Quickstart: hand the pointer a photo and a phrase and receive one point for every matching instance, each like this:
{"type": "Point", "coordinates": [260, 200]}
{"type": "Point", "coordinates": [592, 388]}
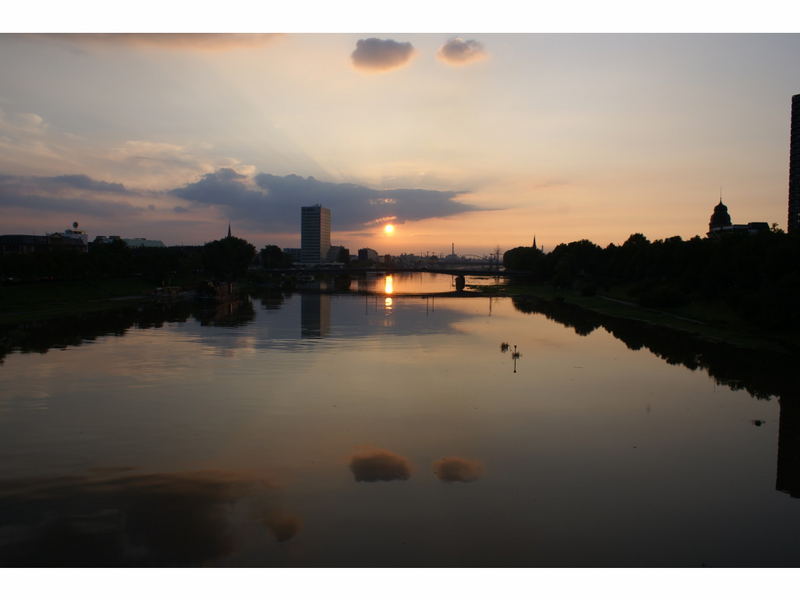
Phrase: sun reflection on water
{"type": "Point", "coordinates": [388, 286]}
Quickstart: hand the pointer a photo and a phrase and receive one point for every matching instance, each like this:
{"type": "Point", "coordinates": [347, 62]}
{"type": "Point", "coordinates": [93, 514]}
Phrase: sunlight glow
{"type": "Point", "coordinates": [388, 285]}
{"type": "Point", "coordinates": [388, 229]}
{"type": "Point", "coordinates": [388, 302]}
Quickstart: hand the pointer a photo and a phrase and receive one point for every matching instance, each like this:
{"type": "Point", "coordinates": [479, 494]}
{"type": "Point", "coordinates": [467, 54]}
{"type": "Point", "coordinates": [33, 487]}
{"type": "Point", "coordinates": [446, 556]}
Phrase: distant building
{"type": "Point", "coordinates": [315, 233]}
{"type": "Point", "coordinates": [367, 254]}
{"type": "Point", "coordinates": [720, 223]}
{"type": "Point", "coordinates": [719, 218]}
{"type": "Point", "coordinates": [39, 244]}
{"type": "Point", "coordinates": [70, 240]}
{"type": "Point", "coordinates": [794, 168]}
{"type": "Point", "coordinates": [143, 243]}
{"type": "Point", "coordinates": [106, 239]}
{"type": "Point", "coordinates": [75, 234]}
{"type": "Point", "coordinates": [338, 254]}
{"type": "Point", "coordinates": [130, 242]}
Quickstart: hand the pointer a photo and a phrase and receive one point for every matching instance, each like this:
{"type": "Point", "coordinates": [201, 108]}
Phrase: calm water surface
{"type": "Point", "coordinates": [318, 430]}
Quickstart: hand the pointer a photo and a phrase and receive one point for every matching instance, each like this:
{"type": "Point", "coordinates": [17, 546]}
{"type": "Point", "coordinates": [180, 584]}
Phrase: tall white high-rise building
{"type": "Point", "coordinates": [315, 233]}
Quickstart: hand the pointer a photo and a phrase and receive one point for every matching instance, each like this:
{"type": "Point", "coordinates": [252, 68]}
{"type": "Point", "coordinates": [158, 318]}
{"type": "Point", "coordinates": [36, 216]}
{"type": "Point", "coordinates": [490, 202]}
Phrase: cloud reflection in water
{"type": "Point", "coordinates": [155, 519]}
{"type": "Point", "coordinates": [454, 468]}
{"type": "Point", "coordinates": [377, 464]}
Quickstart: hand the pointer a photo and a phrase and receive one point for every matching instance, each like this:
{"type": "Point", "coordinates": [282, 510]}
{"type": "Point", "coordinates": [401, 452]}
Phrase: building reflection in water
{"type": "Point", "coordinates": [315, 315]}
{"type": "Point", "coordinates": [788, 472]}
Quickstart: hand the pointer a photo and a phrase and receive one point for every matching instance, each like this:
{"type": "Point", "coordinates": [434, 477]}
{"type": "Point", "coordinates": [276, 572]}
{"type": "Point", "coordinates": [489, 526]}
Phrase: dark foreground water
{"type": "Point", "coordinates": [316, 430]}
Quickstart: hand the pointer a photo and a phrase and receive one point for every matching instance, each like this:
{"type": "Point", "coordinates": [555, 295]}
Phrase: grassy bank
{"type": "Point", "coordinates": [43, 300]}
{"type": "Point", "coordinates": [705, 321]}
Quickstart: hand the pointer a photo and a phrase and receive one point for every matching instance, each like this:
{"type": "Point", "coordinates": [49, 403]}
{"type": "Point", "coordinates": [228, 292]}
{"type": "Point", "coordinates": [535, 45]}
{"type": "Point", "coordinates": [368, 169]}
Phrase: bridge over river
{"type": "Point", "coordinates": [474, 270]}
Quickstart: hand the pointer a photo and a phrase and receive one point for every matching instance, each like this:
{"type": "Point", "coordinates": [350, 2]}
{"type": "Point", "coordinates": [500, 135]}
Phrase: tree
{"type": "Point", "coordinates": [273, 257]}
{"type": "Point", "coordinates": [113, 259]}
{"type": "Point", "coordinates": [525, 258]}
{"type": "Point", "coordinates": [227, 259]}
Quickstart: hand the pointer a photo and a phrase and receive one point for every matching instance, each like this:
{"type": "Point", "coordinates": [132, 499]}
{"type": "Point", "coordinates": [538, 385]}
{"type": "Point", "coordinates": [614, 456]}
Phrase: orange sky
{"type": "Point", "coordinates": [495, 138]}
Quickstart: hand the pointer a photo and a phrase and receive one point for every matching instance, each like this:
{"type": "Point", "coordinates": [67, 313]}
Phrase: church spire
{"type": "Point", "coordinates": [229, 229]}
{"type": "Point", "coordinates": [534, 240]}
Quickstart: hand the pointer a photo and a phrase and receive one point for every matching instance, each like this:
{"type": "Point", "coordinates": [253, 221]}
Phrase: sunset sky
{"type": "Point", "coordinates": [476, 139]}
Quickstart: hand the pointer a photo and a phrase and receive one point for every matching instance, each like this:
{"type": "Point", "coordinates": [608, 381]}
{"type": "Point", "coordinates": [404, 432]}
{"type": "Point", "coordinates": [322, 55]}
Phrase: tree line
{"type": "Point", "coordinates": [226, 259]}
{"type": "Point", "coordinates": [755, 277]}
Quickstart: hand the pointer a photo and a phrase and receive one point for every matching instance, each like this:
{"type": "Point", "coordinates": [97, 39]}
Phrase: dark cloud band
{"type": "Point", "coordinates": [78, 195]}
{"type": "Point", "coordinates": [268, 203]}
{"type": "Point", "coordinates": [274, 201]}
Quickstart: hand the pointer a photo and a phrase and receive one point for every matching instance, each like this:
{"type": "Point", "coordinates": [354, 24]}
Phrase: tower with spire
{"type": "Point", "coordinates": [720, 217]}
{"type": "Point", "coordinates": [229, 230]}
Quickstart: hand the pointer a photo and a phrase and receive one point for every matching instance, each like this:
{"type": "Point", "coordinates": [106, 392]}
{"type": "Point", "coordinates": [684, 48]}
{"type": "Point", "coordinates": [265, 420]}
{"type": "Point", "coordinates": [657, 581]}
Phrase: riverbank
{"type": "Point", "coordinates": [705, 322]}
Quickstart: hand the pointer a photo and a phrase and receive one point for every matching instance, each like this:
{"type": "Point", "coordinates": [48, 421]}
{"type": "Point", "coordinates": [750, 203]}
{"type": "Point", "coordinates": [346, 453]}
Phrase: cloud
{"type": "Point", "coordinates": [74, 194]}
{"type": "Point", "coordinates": [283, 526]}
{"type": "Point", "coordinates": [21, 122]}
{"type": "Point", "coordinates": [124, 519]}
{"type": "Point", "coordinates": [454, 468]}
{"type": "Point", "coordinates": [374, 55]}
{"type": "Point", "coordinates": [30, 146]}
{"type": "Point", "coordinates": [169, 41]}
{"type": "Point", "coordinates": [84, 182]}
{"type": "Point", "coordinates": [159, 164]}
{"type": "Point", "coordinates": [458, 51]}
{"type": "Point", "coordinates": [379, 465]}
{"type": "Point", "coordinates": [29, 123]}
{"type": "Point", "coordinates": [274, 201]}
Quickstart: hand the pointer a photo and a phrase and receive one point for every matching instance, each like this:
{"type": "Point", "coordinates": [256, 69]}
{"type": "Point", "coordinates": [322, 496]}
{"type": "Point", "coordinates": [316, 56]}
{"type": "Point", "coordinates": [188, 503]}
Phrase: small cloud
{"type": "Point", "coordinates": [381, 220]}
{"type": "Point", "coordinates": [30, 122]}
{"type": "Point", "coordinates": [22, 122]}
{"type": "Point", "coordinates": [376, 55]}
{"type": "Point", "coordinates": [379, 465]}
{"type": "Point", "coordinates": [453, 469]}
{"type": "Point", "coordinates": [458, 51]}
{"type": "Point", "coordinates": [283, 526]}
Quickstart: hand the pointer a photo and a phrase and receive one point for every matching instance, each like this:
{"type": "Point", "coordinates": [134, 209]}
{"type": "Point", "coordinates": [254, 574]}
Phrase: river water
{"type": "Point", "coordinates": [309, 429]}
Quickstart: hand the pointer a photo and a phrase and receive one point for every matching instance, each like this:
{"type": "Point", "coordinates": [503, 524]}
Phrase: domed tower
{"type": "Point", "coordinates": [719, 218]}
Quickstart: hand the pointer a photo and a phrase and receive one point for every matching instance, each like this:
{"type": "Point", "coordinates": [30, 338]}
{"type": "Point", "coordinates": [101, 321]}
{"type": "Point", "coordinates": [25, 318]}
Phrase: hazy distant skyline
{"type": "Point", "coordinates": [476, 139]}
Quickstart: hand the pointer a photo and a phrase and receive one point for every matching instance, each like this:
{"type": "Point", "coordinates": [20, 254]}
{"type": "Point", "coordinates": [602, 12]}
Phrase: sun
{"type": "Point", "coordinates": [388, 229]}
